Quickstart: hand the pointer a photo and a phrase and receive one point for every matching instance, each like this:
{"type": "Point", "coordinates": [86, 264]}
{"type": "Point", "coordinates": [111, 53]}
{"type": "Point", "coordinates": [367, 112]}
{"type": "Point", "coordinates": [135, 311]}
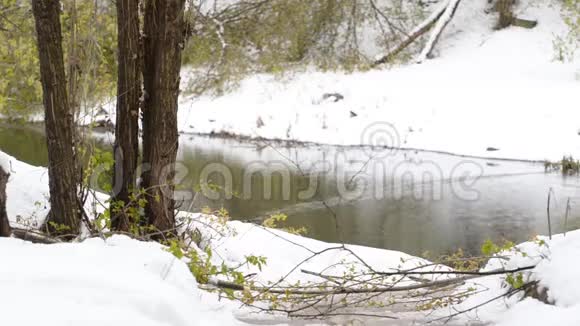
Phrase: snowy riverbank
{"type": "Point", "coordinates": [488, 93]}
{"type": "Point", "coordinates": [121, 280]}
{"type": "Point", "coordinates": [487, 89]}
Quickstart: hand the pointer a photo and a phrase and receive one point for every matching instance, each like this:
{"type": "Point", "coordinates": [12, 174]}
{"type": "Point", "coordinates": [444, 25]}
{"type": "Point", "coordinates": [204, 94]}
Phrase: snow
{"type": "Point", "coordinates": [121, 280]}
{"type": "Point", "coordinates": [5, 162]}
{"type": "Point", "coordinates": [114, 282]}
{"type": "Point", "coordinates": [556, 271]}
{"type": "Point", "coordinates": [485, 88]}
{"type": "Point", "coordinates": [438, 28]}
{"type": "Point", "coordinates": [285, 251]}
{"type": "Point", "coordinates": [532, 312]}
{"type": "Point", "coordinates": [27, 192]}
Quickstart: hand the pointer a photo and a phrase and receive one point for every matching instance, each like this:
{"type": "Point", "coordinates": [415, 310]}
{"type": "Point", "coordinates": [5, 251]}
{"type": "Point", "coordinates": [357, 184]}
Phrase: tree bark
{"type": "Point", "coordinates": [58, 120]}
{"type": "Point", "coordinates": [126, 147]}
{"type": "Point", "coordinates": [507, 17]}
{"type": "Point", "coordinates": [524, 23]}
{"type": "Point", "coordinates": [164, 40]}
{"type": "Point", "coordinates": [5, 230]}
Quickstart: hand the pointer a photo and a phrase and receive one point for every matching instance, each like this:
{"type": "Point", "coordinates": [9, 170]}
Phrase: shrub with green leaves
{"type": "Point", "coordinates": [95, 54]}
{"type": "Point", "coordinates": [225, 44]}
{"type": "Point", "coordinates": [279, 35]}
{"type": "Point", "coordinates": [19, 86]}
{"type": "Point", "coordinates": [565, 46]}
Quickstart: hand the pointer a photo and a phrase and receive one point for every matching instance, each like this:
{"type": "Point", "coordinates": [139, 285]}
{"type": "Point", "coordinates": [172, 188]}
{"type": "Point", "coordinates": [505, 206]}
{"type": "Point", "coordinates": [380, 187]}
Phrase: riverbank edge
{"type": "Point", "coordinates": [104, 132]}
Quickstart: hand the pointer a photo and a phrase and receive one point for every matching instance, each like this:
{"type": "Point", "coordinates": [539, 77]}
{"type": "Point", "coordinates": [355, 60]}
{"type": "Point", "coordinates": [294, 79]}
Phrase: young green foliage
{"type": "Point", "coordinates": [95, 59]}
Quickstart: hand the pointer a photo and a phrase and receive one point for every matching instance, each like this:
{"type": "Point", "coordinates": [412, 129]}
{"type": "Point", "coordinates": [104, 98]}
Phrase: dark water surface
{"type": "Point", "coordinates": [405, 200]}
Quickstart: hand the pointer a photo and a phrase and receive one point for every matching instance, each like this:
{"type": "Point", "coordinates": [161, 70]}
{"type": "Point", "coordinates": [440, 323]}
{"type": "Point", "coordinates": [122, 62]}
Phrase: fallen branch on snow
{"type": "Point", "coordinates": [421, 29]}
{"type": "Point", "coordinates": [331, 290]}
{"type": "Point", "coordinates": [442, 22]}
{"type": "Point", "coordinates": [34, 236]}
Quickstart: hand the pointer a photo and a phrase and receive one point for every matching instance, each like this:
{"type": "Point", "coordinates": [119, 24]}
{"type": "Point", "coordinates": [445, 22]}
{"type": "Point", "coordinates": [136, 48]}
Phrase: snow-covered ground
{"type": "Point", "coordinates": [114, 282]}
{"type": "Point", "coordinates": [28, 191]}
{"type": "Point", "coordinates": [486, 88]}
{"type": "Point", "coordinates": [556, 272]}
{"type": "Point", "coordinates": [120, 280]}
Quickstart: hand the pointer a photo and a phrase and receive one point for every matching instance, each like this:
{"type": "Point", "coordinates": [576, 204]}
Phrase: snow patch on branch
{"type": "Point", "coordinates": [439, 27]}
{"type": "Point", "coordinates": [435, 15]}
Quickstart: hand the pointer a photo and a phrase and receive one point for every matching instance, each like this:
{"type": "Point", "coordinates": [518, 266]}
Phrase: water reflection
{"type": "Point", "coordinates": [25, 142]}
{"type": "Point", "coordinates": [510, 202]}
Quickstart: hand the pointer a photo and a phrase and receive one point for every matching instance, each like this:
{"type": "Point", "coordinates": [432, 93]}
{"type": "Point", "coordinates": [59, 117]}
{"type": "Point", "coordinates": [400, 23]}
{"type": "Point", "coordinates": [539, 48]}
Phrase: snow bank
{"type": "Point", "coordinates": [119, 280]}
{"type": "Point", "coordinates": [114, 282]}
{"type": "Point", "coordinates": [486, 89]}
{"type": "Point", "coordinates": [27, 192]}
{"type": "Point", "coordinates": [5, 162]}
{"type": "Point", "coordinates": [556, 272]}
{"type": "Point", "coordinates": [285, 251]}
{"type": "Point", "coordinates": [96, 282]}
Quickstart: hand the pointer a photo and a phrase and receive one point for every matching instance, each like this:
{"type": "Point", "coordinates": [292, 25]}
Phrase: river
{"type": "Point", "coordinates": [412, 201]}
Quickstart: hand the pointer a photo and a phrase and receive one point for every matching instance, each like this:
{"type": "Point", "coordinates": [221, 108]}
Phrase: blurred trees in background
{"type": "Point", "coordinates": [94, 58]}
{"type": "Point", "coordinates": [230, 40]}
{"type": "Point", "coordinates": [250, 36]}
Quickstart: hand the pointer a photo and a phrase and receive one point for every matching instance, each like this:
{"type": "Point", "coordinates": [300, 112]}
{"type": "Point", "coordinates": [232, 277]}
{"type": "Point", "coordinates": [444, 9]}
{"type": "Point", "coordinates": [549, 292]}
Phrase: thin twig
{"type": "Point", "coordinates": [566, 216]}
{"type": "Point", "coordinates": [548, 211]}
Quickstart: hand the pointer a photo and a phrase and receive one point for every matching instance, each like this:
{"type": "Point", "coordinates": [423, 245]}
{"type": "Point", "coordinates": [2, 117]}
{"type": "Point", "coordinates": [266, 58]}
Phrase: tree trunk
{"type": "Point", "coordinates": [126, 147]}
{"type": "Point", "coordinates": [58, 120]}
{"type": "Point", "coordinates": [505, 10]}
{"type": "Point", "coordinates": [507, 17]}
{"type": "Point", "coordinates": [5, 230]}
{"type": "Point", "coordinates": [164, 41]}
